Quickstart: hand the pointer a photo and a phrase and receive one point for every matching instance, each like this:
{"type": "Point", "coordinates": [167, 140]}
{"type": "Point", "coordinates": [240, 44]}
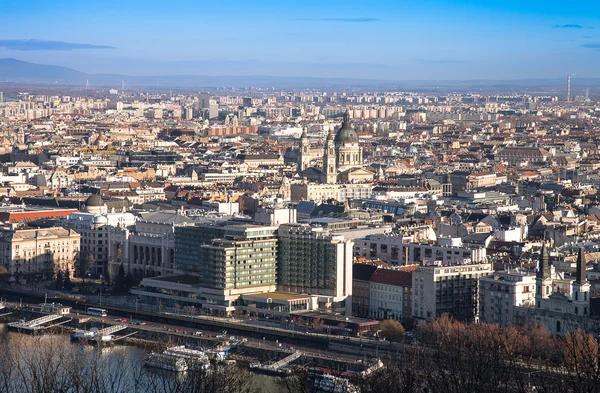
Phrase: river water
{"type": "Point", "coordinates": [118, 361]}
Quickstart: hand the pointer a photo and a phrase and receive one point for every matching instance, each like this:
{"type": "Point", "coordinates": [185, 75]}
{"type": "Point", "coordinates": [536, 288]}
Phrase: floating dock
{"type": "Point", "coordinates": [97, 336]}
{"type": "Point", "coordinates": [36, 325]}
{"type": "Point", "coordinates": [279, 366]}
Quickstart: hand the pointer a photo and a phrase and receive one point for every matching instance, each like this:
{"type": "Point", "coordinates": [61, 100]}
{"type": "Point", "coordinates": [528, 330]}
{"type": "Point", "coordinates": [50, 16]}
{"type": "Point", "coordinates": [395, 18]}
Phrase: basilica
{"type": "Point", "coordinates": [342, 157]}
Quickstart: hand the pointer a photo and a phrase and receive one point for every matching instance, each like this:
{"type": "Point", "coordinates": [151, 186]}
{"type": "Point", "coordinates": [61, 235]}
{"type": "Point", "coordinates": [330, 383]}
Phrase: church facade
{"type": "Point", "coordinates": [559, 311]}
{"type": "Point", "coordinates": [342, 157]}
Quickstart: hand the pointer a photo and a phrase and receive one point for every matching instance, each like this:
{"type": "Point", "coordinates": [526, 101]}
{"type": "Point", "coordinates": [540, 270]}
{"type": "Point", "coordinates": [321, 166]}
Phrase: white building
{"type": "Point", "coordinates": [448, 289]}
{"type": "Point", "coordinates": [146, 247]}
{"type": "Point", "coordinates": [391, 249]}
{"type": "Point", "coordinates": [275, 216]}
{"type": "Point", "coordinates": [390, 294]}
{"type": "Point", "coordinates": [501, 292]}
{"type": "Point", "coordinates": [93, 229]}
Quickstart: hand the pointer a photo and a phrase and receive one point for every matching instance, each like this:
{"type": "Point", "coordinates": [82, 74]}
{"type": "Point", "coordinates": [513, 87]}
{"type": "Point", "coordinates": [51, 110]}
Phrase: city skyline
{"type": "Point", "coordinates": [432, 40]}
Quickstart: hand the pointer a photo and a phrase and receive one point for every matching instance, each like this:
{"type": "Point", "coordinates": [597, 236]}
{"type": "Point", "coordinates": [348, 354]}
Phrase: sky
{"type": "Point", "coordinates": [371, 39]}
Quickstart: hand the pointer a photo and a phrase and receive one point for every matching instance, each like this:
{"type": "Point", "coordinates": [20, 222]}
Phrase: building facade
{"type": "Point", "coordinates": [501, 292]}
{"type": "Point", "coordinates": [147, 248]}
{"type": "Point", "coordinates": [453, 290]}
{"type": "Point", "coordinates": [36, 254]}
{"type": "Point", "coordinates": [317, 262]}
{"type": "Point", "coordinates": [391, 249]}
{"type": "Point", "coordinates": [94, 232]}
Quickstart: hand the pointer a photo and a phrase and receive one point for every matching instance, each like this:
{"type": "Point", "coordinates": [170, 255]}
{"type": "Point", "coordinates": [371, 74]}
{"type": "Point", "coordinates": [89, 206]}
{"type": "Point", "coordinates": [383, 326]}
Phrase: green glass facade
{"type": "Point", "coordinates": [229, 256]}
{"type": "Point", "coordinates": [307, 260]}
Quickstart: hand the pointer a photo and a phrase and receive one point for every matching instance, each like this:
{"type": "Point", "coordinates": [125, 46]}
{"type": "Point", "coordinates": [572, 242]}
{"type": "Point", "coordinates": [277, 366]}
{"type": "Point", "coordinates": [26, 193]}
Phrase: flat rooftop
{"type": "Point", "coordinates": [185, 279]}
{"type": "Point", "coordinates": [333, 318]}
{"type": "Point", "coordinates": [277, 295]}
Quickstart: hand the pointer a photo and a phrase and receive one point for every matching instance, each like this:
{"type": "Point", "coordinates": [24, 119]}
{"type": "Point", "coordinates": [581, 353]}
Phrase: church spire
{"type": "Point", "coordinates": [544, 262]}
{"type": "Point", "coordinates": [580, 276]}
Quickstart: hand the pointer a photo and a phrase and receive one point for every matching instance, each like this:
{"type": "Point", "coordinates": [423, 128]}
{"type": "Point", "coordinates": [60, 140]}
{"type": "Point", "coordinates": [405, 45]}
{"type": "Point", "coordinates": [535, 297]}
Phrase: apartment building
{"type": "Point", "coordinates": [454, 290]}
{"type": "Point", "coordinates": [390, 294]}
{"type": "Point", "coordinates": [501, 292]}
{"type": "Point", "coordinates": [391, 249]}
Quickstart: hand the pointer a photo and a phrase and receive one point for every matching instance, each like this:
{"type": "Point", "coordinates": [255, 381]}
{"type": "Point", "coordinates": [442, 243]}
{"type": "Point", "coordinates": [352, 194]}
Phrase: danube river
{"type": "Point", "coordinates": [118, 361]}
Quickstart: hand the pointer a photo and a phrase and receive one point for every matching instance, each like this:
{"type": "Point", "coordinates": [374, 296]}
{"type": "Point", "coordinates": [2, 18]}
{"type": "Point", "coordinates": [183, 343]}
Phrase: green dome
{"type": "Point", "coordinates": [346, 134]}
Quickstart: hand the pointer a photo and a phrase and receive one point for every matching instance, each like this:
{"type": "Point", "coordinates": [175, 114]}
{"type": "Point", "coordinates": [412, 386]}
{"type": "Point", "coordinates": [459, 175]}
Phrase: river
{"type": "Point", "coordinates": [115, 362]}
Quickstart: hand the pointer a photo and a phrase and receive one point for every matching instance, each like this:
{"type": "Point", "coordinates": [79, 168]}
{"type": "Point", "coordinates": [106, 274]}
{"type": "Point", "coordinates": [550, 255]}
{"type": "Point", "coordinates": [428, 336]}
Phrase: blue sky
{"type": "Point", "coordinates": [403, 40]}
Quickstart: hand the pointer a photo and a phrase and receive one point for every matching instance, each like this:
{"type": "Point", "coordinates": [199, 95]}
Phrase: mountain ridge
{"type": "Point", "coordinates": [17, 71]}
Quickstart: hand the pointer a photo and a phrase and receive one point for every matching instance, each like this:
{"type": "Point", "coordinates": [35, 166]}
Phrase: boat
{"type": "Point", "coordinates": [92, 336]}
{"type": "Point", "coordinates": [80, 334]}
{"type": "Point", "coordinates": [329, 383]}
{"type": "Point", "coordinates": [180, 358]}
{"type": "Point", "coordinates": [166, 362]}
{"type": "Point", "coordinates": [190, 353]}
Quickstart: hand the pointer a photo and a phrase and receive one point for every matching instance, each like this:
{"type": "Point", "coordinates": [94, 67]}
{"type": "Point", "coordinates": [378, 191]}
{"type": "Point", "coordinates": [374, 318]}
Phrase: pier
{"type": "Point", "coordinates": [278, 365]}
{"type": "Point", "coordinates": [37, 324]}
{"type": "Point", "coordinates": [105, 335]}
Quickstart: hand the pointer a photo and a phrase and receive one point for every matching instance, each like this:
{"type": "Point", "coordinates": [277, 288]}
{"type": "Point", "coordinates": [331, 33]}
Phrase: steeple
{"type": "Point", "coordinates": [581, 287]}
{"type": "Point", "coordinates": [544, 262]}
{"type": "Point", "coordinates": [304, 157]}
{"type": "Point", "coordinates": [580, 277]}
{"type": "Point", "coordinates": [543, 279]}
{"type": "Point", "coordinates": [329, 174]}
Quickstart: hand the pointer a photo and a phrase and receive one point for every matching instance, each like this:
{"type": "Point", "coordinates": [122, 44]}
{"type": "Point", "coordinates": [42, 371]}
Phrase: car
{"type": "Point", "coordinates": [198, 333]}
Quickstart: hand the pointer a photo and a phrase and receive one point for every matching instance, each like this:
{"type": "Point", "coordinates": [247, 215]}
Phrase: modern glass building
{"type": "Point", "coordinates": [314, 261]}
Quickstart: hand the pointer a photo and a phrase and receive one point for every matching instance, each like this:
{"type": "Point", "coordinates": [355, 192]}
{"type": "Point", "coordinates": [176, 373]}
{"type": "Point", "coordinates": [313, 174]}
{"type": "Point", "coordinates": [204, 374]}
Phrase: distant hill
{"type": "Point", "coordinates": [17, 71]}
{"type": "Point", "coordinates": [22, 71]}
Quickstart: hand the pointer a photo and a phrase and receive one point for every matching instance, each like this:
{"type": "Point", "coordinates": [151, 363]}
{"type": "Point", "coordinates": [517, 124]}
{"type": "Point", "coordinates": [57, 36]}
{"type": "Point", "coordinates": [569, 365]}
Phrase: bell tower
{"type": "Point", "coordinates": [543, 279]}
{"type": "Point", "coordinates": [329, 160]}
{"type": "Point", "coordinates": [581, 287]}
{"type": "Point", "coordinates": [304, 158]}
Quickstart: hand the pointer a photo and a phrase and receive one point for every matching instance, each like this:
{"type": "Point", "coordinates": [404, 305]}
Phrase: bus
{"type": "Point", "coordinates": [97, 312]}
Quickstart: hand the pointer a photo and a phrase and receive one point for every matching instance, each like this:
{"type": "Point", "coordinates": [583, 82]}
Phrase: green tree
{"type": "Point", "coordinates": [392, 329]}
{"type": "Point", "coordinates": [67, 285]}
{"type": "Point", "coordinates": [129, 280]}
{"type": "Point", "coordinates": [59, 281]}
{"type": "Point", "coordinates": [120, 284]}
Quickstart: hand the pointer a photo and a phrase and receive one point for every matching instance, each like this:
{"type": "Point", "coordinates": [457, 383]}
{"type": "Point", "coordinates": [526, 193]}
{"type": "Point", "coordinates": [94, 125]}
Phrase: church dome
{"type": "Point", "coordinates": [94, 201]}
{"type": "Point", "coordinates": [346, 134]}
{"type": "Point", "coordinates": [98, 219]}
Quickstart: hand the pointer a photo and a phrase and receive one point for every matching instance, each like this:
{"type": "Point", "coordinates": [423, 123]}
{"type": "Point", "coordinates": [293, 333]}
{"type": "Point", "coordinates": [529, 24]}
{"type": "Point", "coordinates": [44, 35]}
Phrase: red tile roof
{"type": "Point", "coordinates": [392, 277]}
